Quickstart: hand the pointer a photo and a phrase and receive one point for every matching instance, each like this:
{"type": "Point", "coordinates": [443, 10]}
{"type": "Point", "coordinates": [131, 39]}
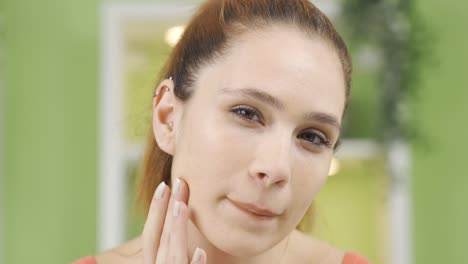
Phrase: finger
{"type": "Point", "coordinates": [179, 193]}
{"type": "Point", "coordinates": [180, 190]}
{"type": "Point", "coordinates": [178, 241]}
{"type": "Point", "coordinates": [199, 257]}
{"type": "Point", "coordinates": [163, 250]}
{"type": "Point", "coordinates": [154, 223]}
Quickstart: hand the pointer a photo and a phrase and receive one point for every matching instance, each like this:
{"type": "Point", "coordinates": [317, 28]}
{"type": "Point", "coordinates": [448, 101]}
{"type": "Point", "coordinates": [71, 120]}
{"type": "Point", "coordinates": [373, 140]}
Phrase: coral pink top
{"type": "Point", "coordinates": [85, 260]}
{"type": "Point", "coordinates": [353, 258]}
{"type": "Point", "coordinates": [349, 258]}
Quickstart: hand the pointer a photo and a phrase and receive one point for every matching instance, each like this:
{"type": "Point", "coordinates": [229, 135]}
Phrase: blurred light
{"type": "Point", "coordinates": [334, 167]}
{"type": "Point", "coordinates": [369, 57]}
{"type": "Point", "coordinates": [173, 35]}
{"type": "Point", "coordinates": [331, 8]}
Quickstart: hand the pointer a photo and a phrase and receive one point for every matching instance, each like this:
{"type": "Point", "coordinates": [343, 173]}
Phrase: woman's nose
{"type": "Point", "coordinates": [271, 164]}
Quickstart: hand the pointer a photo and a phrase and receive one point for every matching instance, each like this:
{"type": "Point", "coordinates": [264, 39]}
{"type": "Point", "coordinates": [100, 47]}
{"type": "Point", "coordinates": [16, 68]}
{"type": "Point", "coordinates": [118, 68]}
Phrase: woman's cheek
{"type": "Point", "coordinates": [234, 139]}
{"type": "Point", "coordinates": [307, 180]}
{"type": "Point", "coordinates": [303, 194]}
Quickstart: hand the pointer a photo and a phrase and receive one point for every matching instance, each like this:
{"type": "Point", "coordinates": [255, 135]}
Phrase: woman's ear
{"type": "Point", "coordinates": [164, 116]}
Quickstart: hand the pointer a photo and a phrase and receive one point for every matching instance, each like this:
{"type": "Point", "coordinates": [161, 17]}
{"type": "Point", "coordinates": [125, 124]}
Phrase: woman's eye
{"type": "Point", "coordinates": [249, 113]}
{"type": "Point", "coordinates": [316, 138]}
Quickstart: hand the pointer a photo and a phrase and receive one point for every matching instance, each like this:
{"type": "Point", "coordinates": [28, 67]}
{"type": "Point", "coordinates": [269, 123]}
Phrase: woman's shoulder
{"type": "Point", "coordinates": [307, 249]}
{"type": "Point", "coordinates": [127, 253]}
{"type": "Point", "coordinates": [85, 260]}
{"type": "Point", "coordinates": [354, 258]}
{"type": "Point", "coordinates": [303, 249]}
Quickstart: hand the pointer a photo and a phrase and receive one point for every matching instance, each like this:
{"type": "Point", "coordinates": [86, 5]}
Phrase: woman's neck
{"type": "Point", "coordinates": [276, 254]}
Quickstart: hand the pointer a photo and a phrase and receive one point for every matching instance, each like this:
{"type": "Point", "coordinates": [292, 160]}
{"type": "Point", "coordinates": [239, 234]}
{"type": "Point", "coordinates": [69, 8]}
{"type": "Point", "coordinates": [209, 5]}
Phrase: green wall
{"type": "Point", "coordinates": [440, 161]}
{"type": "Point", "coordinates": [51, 129]}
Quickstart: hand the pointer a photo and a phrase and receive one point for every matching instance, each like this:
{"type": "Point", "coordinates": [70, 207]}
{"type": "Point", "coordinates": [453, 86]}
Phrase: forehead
{"type": "Point", "coordinates": [304, 71]}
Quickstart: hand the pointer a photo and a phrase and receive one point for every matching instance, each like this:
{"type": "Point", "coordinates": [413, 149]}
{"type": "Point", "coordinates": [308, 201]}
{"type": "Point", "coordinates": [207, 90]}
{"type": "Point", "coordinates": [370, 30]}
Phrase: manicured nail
{"type": "Point", "coordinates": [197, 255]}
{"type": "Point", "coordinates": [176, 186]}
{"type": "Point", "coordinates": [175, 211]}
{"type": "Point", "coordinates": [160, 190]}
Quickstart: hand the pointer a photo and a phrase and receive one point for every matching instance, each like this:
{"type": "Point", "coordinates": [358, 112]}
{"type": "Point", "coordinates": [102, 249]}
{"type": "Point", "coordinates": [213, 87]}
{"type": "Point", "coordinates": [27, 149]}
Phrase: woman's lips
{"type": "Point", "coordinates": [254, 210]}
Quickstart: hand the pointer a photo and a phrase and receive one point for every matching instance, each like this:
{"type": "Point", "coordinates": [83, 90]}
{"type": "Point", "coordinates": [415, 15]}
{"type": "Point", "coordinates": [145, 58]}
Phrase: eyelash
{"type": "Point", "coordinates": [323, 140]}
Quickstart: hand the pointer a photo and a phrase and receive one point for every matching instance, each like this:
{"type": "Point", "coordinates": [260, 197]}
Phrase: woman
{"type": "Point", "coordinates": [246, 119]}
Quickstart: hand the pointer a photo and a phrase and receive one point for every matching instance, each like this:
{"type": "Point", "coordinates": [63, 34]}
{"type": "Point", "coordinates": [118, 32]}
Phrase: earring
{"type": "Point", "coordinates": [171, 124]}
{"type": "Point", "coordinates": [167, 89]}
{"type": "Point", "coordinates": [157, 93]}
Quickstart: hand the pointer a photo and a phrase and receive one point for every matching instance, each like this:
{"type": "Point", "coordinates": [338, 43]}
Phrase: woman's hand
{"type": "Point", "coordinates": [165, 232]}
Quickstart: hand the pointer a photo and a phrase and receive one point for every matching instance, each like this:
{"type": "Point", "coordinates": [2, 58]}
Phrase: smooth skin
{"type": "Point", "coordinates": [165, 237]}
{"type": "Point", "coordinates": [231, 146]}
{"type": "Point", "coordinates": [161, 221]}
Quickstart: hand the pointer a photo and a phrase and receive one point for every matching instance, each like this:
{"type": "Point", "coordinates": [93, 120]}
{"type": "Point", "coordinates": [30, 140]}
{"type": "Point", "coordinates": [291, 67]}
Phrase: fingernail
{"type": "Point", "coordinates": [176, 186]}
{"type": "Point", "coordinates": [175, 211]}
{"type": "Point", "coordinates": [197, 255]}
{"type": "Point", "coordinates": [160, 190]}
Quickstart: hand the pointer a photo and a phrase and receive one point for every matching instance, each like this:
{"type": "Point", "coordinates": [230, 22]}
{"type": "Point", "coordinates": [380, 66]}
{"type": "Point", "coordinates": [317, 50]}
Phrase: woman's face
{"type": "Point", "coordinates": [259, 130]}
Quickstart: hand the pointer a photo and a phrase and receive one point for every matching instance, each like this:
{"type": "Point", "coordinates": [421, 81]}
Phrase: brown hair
{"type": "Point", "coordinates": [206, 38]}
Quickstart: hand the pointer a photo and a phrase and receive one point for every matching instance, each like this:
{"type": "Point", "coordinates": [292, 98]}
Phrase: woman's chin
{"type": "Point", "coordinates": [237, 233]}
{"type": "Point", "coordinates": [238, 242]}
{"type": "Point", "coordinates": [240, 246]}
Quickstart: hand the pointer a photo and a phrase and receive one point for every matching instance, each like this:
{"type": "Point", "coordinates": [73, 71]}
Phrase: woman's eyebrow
{"type": "Point", "coordinates": [269, 99]}
{"type": "Point", "coordinates": [323, 118]}
{"type": "Point", "coordinates": [256, 94]}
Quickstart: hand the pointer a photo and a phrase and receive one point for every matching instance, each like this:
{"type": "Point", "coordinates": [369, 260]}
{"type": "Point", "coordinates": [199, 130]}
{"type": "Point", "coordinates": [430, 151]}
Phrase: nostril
{"type": "Point", "coordinates": [266, 180]}
{"type": "Point", "coordinates": [264, 177]}
{"type": "Point", "coordinates": [261, 177]}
